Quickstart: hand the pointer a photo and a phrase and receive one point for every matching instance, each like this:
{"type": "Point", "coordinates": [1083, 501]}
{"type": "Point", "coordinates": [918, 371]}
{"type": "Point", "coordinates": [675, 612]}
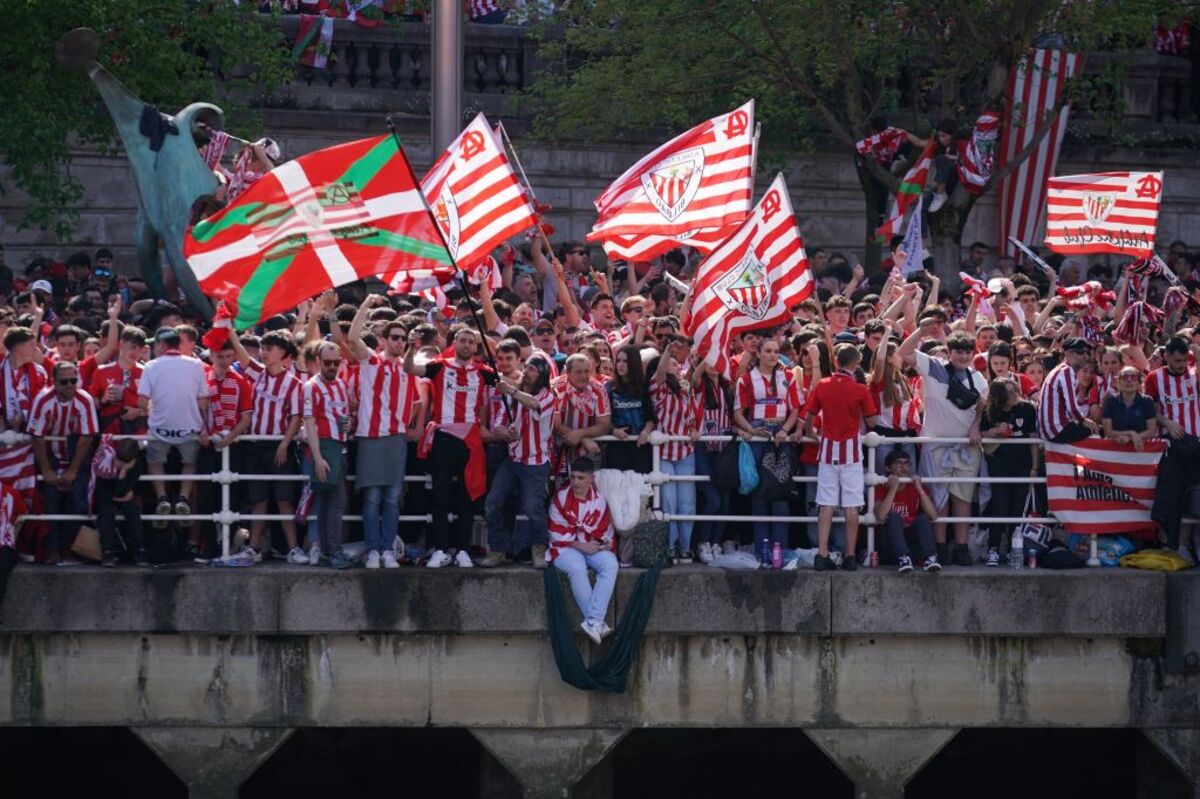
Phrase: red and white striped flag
{"type": "Point", "coordinates": [703, 178]}
{"type": "Point", "coordinates": [1097, 486]}
{"type": "Point", "coordinates": [644, 248]}
{"type": "Point", "coordinates": [1105, 212]}
{"type": "Point", "coordinates": [977, 154]}
{"type": "Point", "coordinates": [475, 197]}
{"type": "Point", "coordinates": [752, 280]}
{"type": "Point", "coordinates": [1035, 87]}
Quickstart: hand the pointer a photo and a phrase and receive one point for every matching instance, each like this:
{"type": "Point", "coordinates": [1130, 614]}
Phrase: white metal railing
{"type": "Point", "coordinates": [226, 517]}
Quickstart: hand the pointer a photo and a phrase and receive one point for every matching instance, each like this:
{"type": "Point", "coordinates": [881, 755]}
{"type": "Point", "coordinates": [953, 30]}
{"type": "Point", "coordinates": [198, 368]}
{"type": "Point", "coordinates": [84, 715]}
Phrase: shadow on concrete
{"type": "Point", "coordinates": [83, 761]}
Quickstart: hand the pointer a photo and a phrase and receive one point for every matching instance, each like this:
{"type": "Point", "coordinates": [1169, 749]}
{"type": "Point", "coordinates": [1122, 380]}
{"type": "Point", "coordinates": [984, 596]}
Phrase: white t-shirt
{"type": "Point", "coordinates": [174, 383]}
{"type": "Point", "coordinates": [942, 417]}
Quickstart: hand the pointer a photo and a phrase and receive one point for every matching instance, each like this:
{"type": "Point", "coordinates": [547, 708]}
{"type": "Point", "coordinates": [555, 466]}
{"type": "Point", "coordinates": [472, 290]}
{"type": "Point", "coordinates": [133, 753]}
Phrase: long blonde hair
{"type": "Point", "coordinates": [896, 388]}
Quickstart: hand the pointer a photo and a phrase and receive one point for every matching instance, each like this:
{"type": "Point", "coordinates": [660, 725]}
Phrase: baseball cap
{"type": "Point", "coordinates": [1077, 344]}
{"type": "Point", "coordinates": [845, 337]}
{"type": "Point", "coordinates": [167, 335]}
{"type": "Point", "coordinates": [42, 285]}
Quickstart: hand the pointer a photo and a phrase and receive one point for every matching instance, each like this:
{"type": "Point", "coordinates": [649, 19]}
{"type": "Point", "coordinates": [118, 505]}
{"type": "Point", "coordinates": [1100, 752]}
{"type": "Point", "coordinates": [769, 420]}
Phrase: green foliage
{"type": "Point", "coordinates": [170, 52]}
{"type": "Point", "coordinates": [814, 65]}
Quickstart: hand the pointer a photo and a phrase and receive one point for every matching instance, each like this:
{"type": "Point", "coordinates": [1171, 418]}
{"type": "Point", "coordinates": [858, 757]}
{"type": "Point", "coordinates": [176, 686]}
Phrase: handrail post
{"type": "Point", "coordinates": [226, 511]}
{"type": "Point", "coordinates": [871, 440]}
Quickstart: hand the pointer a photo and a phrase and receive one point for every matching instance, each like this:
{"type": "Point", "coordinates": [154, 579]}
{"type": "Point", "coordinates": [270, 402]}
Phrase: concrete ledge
{"type": "Point", "coordinates": [693, 600]}
{"type": "Point", "coordinates": [980, 601]}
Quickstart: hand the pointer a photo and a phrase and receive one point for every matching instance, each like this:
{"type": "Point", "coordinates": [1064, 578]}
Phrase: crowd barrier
{"type": "Point", "coordinates": [227, 518]}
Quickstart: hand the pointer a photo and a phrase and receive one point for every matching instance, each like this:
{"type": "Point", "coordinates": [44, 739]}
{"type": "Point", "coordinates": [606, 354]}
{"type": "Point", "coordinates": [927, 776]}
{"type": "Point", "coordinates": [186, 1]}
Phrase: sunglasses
{"type": "Point", "coordinates": [338, 362]}
{"type": "Point", "coordinates": [68, 381]}
{"type": "Point", "coordinates": [396, 338]}
{"type": "Point", "coordinates": [637, 309]}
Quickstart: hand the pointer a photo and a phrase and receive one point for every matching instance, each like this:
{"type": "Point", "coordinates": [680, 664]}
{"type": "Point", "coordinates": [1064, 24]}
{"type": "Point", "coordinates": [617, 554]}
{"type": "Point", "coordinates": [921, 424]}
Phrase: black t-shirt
{"type": "Point", "coordinates": [1012, 459]}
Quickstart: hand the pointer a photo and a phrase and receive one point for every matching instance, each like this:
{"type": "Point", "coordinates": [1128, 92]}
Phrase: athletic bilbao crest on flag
{"type": "Point", "coordinates": [1105, 212]}
{"type": "Point", "coordinates": [321, 221]}
{"type": "Point", "coordinates": [745, 289]}
{"type": "Point", "coordinates": [700, 180]}
{"type": "Point", "coordinates": [1098, 486]}
{"type": "Point", "coordinates": [672, 184]}
{"type": "Point", "coordinates": [445, 211]}
{"type": "Point", "coordinates": [751, 281]}
{"type": "Point", "coordinates": [1097, 207]}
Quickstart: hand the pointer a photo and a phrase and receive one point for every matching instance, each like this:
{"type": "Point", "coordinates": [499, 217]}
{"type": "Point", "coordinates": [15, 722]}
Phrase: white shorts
{"type": "Point", "coordinates": [841, 485]}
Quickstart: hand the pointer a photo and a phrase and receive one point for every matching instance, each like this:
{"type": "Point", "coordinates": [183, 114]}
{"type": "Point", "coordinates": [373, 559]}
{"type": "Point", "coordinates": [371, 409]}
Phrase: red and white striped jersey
{"type": "Point", "coordinates": [228, 398]}
{"type": "Point", "coordinates": [903, 418]}
{"type": "Point", "coordinates": [844, 405]}
{"type": "Point", "coordinates": [767, 399]}
{"type": "Point", "coordinates": [715, 421]}
{"type": "Point", "coordinates": [12, 507]}
{"type": "Point", "coordinates": [1060, 402]}
{"type": "Point", "coordinates": [17, 389]}
{"type": "Point", "coordinates": [386, 397]}
{"type": "Point", "coordinates": [678, 415]}
{"type": "Point", "coordinates": [500, 407]}
{"type": "Point", "coordinates": [327, 402]}
{"type": "Point", "coordinates": [276, 399]}
{"type": "Point", "coordinates": [1106, 385]}
{"type": "Point", "coordinates": [457, 392]}
{"type": "Point", "coordinates": [534, 429]}
{"type": "Point", "coordinates": [574, 519]}
{"type": "Point", "coordinates": [581, 407]}
{"type": "Point", "coordinates": [53, 417]}
{"type": "Point", "coordinates": [1177, 397]}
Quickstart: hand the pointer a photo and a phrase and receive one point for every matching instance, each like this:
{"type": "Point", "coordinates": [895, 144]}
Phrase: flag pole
{"type": "Point", "coordinates": [462, 280]}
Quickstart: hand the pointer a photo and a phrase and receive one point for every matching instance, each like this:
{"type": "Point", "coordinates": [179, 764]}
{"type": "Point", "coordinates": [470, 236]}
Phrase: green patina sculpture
{"type": "Point", "coordinates": [171, 176]}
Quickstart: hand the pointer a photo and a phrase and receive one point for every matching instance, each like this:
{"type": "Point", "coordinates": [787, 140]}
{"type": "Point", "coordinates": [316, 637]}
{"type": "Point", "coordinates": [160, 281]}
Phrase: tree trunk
{"type": "Point", "coordinates": [945, 235]}
{"type": "Point", "coordinates": [875, 195]}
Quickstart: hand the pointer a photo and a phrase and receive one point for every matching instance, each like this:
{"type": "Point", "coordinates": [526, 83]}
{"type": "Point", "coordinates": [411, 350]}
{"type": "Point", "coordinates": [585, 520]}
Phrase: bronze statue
{"type": "Point", "coordinates": [171, 176]}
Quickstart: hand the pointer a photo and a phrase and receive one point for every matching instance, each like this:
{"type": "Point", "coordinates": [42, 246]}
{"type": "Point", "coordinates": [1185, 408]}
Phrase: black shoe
{"type": "Point", "coordinates": [850, 564]}
{"type": "Point", "coordinates": [823, 563]}
{"type": "Point", "coordinates": [109, 560]}
{"type": "Point", "coordinates": [140, 558]}
{"type": "Point", "coordinates": [962, 555]}
{"type": "Point", "coordinates": [943, 553]}
{"type": "Point", "coordinates": [524, 556]}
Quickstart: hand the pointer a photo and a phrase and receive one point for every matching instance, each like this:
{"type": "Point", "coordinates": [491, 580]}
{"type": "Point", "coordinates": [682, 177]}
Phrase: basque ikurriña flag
{"type": "Point", "coordinates": [1097, 486]}
{"type": "Point", "coordinates": [321, 221]}
{"type": "Point", "coordinates": [751, 281]}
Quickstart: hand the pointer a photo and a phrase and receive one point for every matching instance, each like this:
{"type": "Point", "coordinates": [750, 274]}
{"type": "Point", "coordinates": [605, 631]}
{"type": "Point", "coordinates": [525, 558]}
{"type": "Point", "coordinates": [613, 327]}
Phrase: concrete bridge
{"type": "Point", "coordinates": [213, 670]}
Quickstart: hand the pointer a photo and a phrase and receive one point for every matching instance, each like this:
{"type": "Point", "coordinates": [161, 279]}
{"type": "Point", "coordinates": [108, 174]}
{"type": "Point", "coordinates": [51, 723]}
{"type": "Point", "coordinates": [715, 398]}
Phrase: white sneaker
{"type": "Point", "coordinates": [437, 560]}
{"type": "Point", "coordinates": [297, 557]}
{"type": "Point", "coordinates": [314, 555]}
{"type": "Point", "coordinates": [255, 553]}
{"type": "Point", "coordinates": [993, 557]}
{"type": "Point", "coordinates": [939, 200]}
{"type": "Point", "coordinates": [706, 554]}
{"type": "Point", "coordinates": [463, 560]}
{"type": "Point", "coordinates": [389, 560]}
{"type": "Point", "coordinates": [1185, 553]}
{"type": "Point", "coordinates": [592, 629]}
{"type": "Point", "coordinates": [373, 559]}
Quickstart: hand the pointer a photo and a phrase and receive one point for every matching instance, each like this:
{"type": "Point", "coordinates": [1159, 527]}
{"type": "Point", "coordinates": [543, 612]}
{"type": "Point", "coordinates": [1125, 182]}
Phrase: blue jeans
{"type": "Point", "coordinates": [679, 498]}
{"type": "Point", "coordinates": [592, 602]}
{"type": "Point", "coordinates": [530, 483]}
{"type": "Point", "coordinates": [381, 509]}
{"type": "Point", "coordinates": [716, 502]}
{"type": "Point", "coordinates": [777, 532]}
{"type": "Point", "coordinates": [900, 540]}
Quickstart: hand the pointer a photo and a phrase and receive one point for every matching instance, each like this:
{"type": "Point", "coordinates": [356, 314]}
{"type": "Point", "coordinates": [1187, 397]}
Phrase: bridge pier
{"type": "Point", "coordinates": [549, 763]}
{"type": "Point", "coordinates": [880, 762]}
{"type": "Point", "coordinates": [213, 761]}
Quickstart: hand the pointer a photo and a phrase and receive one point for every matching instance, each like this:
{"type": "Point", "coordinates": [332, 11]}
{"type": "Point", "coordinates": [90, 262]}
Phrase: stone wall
{"type": "Point", "coordinates": [824, 185]}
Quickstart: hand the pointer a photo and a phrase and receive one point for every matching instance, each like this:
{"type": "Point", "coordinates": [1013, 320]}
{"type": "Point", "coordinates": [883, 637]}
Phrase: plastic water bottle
{"type": "Point", "coordinates": [764, 552]}
{"type": "Point", "coordinates": [1016, 555]}
{"type": "Point", "coordinates": [777, 555]}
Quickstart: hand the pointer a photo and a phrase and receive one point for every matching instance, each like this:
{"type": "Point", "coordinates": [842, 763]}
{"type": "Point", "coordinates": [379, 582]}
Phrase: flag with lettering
{"type": "Point", "coordinates": [475, 196]}
{"type": "Point", "coordinates": [321, 221]}
{"type": "Point", "coordinates": [1103, 212]}
{"type": "Point", "coordinates": [1097, 486]}
{"type": "Point", "coordinates": [703, 178]}
{"type": "Point", "coordinates": [751, 281]}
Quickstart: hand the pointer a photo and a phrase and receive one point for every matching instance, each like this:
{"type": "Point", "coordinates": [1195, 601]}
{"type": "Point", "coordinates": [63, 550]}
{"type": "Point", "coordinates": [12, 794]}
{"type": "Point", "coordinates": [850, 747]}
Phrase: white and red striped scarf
{"type": "Point", "coordinates": [975, 155]}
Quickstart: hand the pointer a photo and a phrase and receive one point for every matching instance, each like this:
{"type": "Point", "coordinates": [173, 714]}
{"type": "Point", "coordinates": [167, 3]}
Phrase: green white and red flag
{"type": "Point", "coordinates": [321, 221]}
{"type": "Point", "coordinates": [912, 185]}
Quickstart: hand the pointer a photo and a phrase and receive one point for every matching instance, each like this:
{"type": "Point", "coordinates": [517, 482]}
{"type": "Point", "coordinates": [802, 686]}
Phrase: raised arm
{"type": "Point", "coordinates": [357, 346]}
{"type": "Point", "coordinates": [112, 342]}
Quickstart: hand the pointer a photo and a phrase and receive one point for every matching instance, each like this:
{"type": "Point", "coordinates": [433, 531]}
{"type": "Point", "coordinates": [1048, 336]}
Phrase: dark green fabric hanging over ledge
{"type": "Point", "coordinates": [611, 670]}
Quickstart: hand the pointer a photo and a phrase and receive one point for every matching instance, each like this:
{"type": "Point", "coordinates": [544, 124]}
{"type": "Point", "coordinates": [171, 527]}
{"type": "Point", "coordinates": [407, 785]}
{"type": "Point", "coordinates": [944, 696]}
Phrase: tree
{"type": "Point", "coordinates": [170, 52]}
{"type": "Point", "coordinates": [819, 68]}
